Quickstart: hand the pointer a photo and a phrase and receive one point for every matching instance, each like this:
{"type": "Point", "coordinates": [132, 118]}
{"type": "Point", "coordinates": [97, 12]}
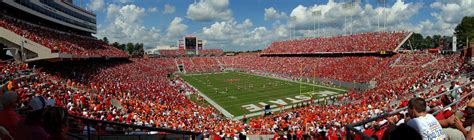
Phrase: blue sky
{"type": "Point", "coordinates": [253, 24]}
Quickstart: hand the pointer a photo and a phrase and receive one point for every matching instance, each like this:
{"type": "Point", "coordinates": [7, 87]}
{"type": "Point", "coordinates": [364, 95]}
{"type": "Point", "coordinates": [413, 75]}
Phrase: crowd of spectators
{"type": "Point", "coordinates": [414, 59]}
{"type": "Point", "coordinates": [348, 69]}
{"type": "Point", "coordinates": [362, 42]}
{"type": "Point", "coordinates": [370, 103]}
{"type": "Point", "coordinates": [199, 64]}
{"type": "Point", "coordinates": [61, 42]}
{"type": "Point", "coordinates": [172, 52]}
{"type": "Point", "coordinates": [141, 92]}
{"type": "Point", "coordinates": [214, 52]}
{"type": "Point", "coordinates": [10, 71]}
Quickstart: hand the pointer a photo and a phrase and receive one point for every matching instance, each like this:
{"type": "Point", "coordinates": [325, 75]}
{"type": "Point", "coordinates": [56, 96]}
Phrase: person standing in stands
{"type": "Point", "coordinates": [8, 117]}
{"type": "Point", "coordinates": [425, 124]}
{"type": "Point", "coordinates": [31, 126]}
{"type": "Point", "coordinates": [55, 120]}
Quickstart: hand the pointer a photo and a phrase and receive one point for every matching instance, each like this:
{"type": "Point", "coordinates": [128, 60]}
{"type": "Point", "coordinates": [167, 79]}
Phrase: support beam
{"type": "Point", "coordinates": [403, 41]}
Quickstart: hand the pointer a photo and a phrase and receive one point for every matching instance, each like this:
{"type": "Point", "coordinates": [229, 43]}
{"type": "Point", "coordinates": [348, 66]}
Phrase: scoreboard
{"type": "Point", "coordinates": [199, 44]}
{"type": "Point", "coordinates": [190, 44]}
{"type": "Point", "coordinates": [181, 44]}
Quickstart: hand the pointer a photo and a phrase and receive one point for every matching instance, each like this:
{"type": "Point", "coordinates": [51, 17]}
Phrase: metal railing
{"type": "Point", "coordinates": [351, 127]}
{"type": "Point", "coordinates": [84, 128]}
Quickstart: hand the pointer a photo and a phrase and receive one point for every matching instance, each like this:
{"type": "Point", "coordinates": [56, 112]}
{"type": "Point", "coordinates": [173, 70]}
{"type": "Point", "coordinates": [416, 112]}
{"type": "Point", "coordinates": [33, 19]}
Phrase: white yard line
{"type": "Point", "coordinates": [206, 73]}
{"type": "Point", "coordinates": [295, 81]}
{"type": "Point", "coordinates": [210, 101]}
{"type": "Point", "coordinates": [228, 115]}
{"type": "Point", "coordinates": [250, 115]}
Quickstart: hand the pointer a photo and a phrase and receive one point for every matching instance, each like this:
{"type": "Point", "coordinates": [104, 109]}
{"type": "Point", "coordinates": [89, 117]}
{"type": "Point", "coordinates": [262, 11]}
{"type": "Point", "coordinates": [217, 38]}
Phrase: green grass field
{"type": "Point", "coordinates": [235, 91]}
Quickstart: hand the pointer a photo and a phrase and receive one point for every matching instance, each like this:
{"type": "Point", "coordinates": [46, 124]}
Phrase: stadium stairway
{"type": "Point", "coordinates": [190, 60]}
{"type": "Point", "coordinates": [176, 63]}
{"type": "Point", "coordinates": [24, 49]}
{"type": "Point", "coordinates": [395, 62]}
{"type": "Point", "coordinates": [426, 64]}
{"type": "Point", "coordinates": [220, 64]}
{"type": "Point", "coordinates": [177, 66]}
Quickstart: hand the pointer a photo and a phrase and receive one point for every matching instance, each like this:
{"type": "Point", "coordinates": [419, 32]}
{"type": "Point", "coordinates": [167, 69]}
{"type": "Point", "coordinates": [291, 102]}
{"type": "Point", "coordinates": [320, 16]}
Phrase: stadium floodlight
{"type": "Point", "coordinates": [383, 11]}
{"type": "Point", "coordinates": [350, 6]}
{"type": "Point", "coordinates": [316, 13]}
{"type": "Point", "coordinates": [292, 18]}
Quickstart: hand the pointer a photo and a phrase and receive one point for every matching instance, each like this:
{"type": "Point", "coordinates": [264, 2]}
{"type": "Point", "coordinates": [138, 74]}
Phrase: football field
{"type": "Point", "coordinates": [240, 93]}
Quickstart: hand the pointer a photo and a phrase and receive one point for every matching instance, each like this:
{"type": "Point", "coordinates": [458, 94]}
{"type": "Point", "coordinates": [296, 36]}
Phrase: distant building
{"type": "Point", "coordinates": [157, 49]}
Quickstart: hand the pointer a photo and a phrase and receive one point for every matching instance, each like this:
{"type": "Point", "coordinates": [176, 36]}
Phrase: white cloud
{"type": "Point", "coordinates": [125, 24]}
{"type": "Point", "coordinates": [96, 5]}
{"type": "Point", "coordinates": [176, 28]}
{"type": "Point", "coordinates": [209, 10]}
{"type": "Point", "coordinates": [334, 15]}
{"type": "Point", "coordinates": [131, 14]}
{"type": "Point", "coordinates": [366, 18]}
{"type": "Point", "coordinates": [335, 18]}
{"type": "Point", "coordinates": [271, 13]}
{"type": "Point", "coordinates": [152, 9]}
{"type": "Point", "coordinates": [450, 14]}
{"type": "Point", "coordinates": [222, 30]}
{"type": "Point", "coordinates": [169, 9]}
{"type": "Point", "coordinates": [112, 11]}
{"type": "Point", "coordinates": [231, 35]}
{"type": "Point", "coordinates": [123, 1]}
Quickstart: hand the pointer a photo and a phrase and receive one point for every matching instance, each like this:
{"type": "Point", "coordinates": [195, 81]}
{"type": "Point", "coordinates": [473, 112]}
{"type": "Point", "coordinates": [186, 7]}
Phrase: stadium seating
{"type": "Point", "coordinates": [349, 69]}
{"type": "Point", "coordinates": [166, 105]}
{"type": "Point", "coordinates": [215, 52]}
{"type": "Point", "coordinates": [172, 52]}
{"type": "Point", "coordinates": [61, 42]}
{"type": "Point", "coordinates": [414, 59]}
{"type": "Point", "coordinates": [11, 71]}
{"type": "Point", "coordinates": [139, 91]}
{"type": "Point", "coordinates": [362, 42]}
{"type": "Point", "coordinates": [199, 64]}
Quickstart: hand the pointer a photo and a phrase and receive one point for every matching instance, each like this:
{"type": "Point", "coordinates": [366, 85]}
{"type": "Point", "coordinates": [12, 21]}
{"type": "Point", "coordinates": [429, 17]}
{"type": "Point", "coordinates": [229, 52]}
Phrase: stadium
{"type": "Point", "coordinates": [61, 80]}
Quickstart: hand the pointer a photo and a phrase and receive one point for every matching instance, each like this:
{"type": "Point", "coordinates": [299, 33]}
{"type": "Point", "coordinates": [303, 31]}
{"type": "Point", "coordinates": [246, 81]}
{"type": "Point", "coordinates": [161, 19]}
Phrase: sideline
{"type": "Point", "coordinates": [210, 101]}
{"type": "Point", "coordinates": [229, 115]}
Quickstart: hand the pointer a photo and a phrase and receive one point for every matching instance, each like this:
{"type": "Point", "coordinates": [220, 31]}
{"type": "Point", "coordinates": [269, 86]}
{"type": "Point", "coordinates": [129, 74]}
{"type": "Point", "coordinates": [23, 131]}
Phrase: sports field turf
{"type": "Point", "coordinates": [241, 93]}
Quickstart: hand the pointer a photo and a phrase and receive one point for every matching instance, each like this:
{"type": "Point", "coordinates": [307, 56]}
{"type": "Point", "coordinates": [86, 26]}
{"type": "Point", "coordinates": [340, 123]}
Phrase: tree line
{"type": "Point", "coordinates": [464, 31]}
{"type": "Point", "coordinates": [422, 43]}
{"type": "Point", "coordinates": [136, 49]}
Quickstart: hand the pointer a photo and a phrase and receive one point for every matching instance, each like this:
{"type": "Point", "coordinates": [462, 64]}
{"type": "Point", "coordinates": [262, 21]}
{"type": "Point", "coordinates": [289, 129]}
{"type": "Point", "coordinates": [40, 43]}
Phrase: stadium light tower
{"type": "Point", "coordinates": [383, 13]}
{"type": "Point", "coordinates": [345, 16]}
{"type": "Point", "coordinates": [315, 14]}
{"type": "Point", "coordinates": [292, 18]}
{"type": "Point", "coordinates": [349, 6]}
{"type": "Point", "coordinates": [289, 26]}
